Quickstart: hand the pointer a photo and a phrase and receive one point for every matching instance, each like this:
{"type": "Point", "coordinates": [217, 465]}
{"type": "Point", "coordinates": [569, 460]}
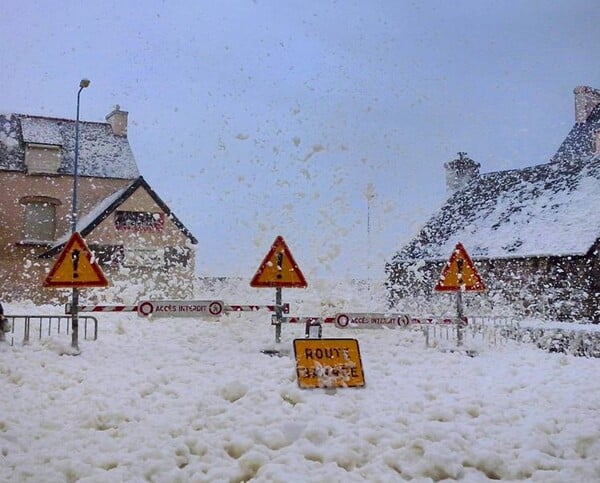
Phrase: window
{"type": "Point", "coordinates": [39, 223]}
{"type": "Point", "coordinates": [177, 256]}
{"type": "Point", "coordinates": [108, 255]}
{"type": "Point", "coordinates": [139, 221]}
{"type": "Point", "coordinates": [42, 158]}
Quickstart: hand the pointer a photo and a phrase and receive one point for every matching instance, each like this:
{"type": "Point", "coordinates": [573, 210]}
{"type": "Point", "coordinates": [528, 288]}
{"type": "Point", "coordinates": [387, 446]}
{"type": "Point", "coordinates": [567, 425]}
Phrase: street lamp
{"type": "Point", "coordinates": [82, 85]}
{"type": "Point", "coordinates": [75, 294]}
{"type": "Point", "coordinates": [370, 195]}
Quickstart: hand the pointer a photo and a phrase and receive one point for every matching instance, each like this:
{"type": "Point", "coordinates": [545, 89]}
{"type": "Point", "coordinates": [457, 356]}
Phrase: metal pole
{"type": "Point", "coordinates": [370, 195]}
{"type": "Point", "coordinates": [369, 243]}
{"type": "Point", "coordinates": [460, 313]}
{"type": "Point", "coordinates": [75, 291]}
{"type": "Point", "coordinates": [278, 314]}
{"type": "Point", "coordinates": [459, 303]}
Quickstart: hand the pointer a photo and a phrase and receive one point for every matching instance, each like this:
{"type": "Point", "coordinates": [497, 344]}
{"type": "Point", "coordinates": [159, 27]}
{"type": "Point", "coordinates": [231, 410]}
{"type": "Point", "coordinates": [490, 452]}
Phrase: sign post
{"type": "Point", "coordinates": [75, 268]}
{"type": "Point", "coordinates": [278, 269]}
{"type": "Point", "coordinates": [460, 275]}
{"type": "Point", "coordinates": [278, 314]}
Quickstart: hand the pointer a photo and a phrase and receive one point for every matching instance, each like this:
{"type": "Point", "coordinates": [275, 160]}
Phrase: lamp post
{"type": "Point", "coordinates": [370, 195]}
{"type": "Point", "coordinates": [75, 293]}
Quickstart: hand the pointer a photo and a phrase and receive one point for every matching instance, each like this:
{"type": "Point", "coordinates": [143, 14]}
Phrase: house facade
{"type": "Point", "coordinates": [533, 233]}
{"type": "Point", "coordinates": [142, 247]}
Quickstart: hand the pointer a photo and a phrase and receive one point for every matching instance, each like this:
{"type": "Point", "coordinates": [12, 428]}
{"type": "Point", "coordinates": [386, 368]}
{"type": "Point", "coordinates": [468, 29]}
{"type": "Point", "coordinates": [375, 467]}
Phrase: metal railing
{"type": "Point", "coordinates": [491, 330]}
{"type": "Point", "coordinates": [46, 324]}
{"type": "Point", "coordinates": [575, 339]}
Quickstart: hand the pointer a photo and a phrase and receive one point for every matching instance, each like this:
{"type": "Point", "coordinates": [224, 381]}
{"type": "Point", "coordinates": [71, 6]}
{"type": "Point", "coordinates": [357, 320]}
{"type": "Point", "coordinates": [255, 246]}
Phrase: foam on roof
{"type": "Point", "coordinates": [101, 153]}
{"type": "Point", "coordinates": [543, 210]}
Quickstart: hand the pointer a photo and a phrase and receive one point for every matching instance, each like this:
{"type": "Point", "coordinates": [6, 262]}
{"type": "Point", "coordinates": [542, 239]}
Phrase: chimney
{"type": "Point", "coordinates": [586, 99]}
{"type": "Point", "coordinates": [118, 121]}
{"type": "Point", "coordinates": [459, 172]}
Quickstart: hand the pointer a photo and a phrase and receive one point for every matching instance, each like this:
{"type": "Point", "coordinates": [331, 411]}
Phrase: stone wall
{"type": "Point", "coordinates": [551, 288]}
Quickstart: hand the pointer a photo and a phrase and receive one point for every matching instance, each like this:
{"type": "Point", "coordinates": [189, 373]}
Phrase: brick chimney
{"type": "Point", "coordinates": [459, 172]}
{"type": "Point", "coordinates": [586, 99]}
{"type": "Point", "coordinates": [118, 121]}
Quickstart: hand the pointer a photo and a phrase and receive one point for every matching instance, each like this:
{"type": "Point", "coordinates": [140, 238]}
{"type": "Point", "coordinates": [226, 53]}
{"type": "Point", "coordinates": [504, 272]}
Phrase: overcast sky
{"type": "Point", "coordinates": [253, 119]}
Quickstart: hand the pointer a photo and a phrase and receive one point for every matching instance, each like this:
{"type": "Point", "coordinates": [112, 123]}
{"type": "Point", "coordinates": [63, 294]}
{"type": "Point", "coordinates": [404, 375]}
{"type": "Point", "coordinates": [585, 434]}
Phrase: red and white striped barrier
{"type": "Point", "coordinates": [254, 308]}
{"type": "Point", "coordinates": [103, 308]}
{"type": "Point", "coordinates": [369, 320]}
{"type": "Point", "coordinates": [304, 320]}
{"type": "Point", "coordinates": [134, 308]}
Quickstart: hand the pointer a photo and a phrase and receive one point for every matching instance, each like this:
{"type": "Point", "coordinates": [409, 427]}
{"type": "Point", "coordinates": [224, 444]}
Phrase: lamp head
{"type": "Point", "coordinates": [84, 83]}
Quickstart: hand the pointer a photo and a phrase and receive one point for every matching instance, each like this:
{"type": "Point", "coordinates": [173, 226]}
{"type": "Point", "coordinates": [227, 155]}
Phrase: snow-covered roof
{"type": "Point", "coordinates": [86, 221]}
{"type": "Point", "coordinates": [544, 210]}
{"type": "Point", "coordinates": [579, 143]}
{"type": "Point", "coordinates": [101, 153]}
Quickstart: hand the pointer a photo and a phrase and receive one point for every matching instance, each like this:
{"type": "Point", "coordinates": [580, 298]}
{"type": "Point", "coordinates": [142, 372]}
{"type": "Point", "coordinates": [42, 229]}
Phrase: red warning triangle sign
{"type": "Point", "coordinates": [75, 267]}
{"type": "Point", "coordinates": [459, 273]}
{"type": "Point", "coordinates": [279, 269]}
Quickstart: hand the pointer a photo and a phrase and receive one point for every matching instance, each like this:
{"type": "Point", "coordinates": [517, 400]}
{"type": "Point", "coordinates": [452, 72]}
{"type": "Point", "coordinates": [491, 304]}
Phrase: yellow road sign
{"type": "Point", "coordinates": [279, 269]}
{"type": "Point", "coordinates": [328, 363]}
{"type": "Point", "coordinates": [75, 267]}
{"type": "Point", "coordinates": [460, 273]}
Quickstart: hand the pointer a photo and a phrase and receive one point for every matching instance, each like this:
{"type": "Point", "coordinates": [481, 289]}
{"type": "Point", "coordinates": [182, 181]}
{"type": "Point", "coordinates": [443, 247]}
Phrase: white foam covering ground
{"type": "Point", "coordinates": [190, 400]}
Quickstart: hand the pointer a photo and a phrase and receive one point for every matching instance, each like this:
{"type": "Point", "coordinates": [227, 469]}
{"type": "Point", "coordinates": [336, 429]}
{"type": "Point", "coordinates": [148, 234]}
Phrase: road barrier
{"type": "Point", "coordinates": [574, 339]}
{"type": "Point", "coordinates": [285, 308]}
{"type": "Point", "coordinates": [103, 308]}
{"type": "Point", "coordinates": [46, 323]}
{"type": "Point", "coordinates": [303, 320]}
{"type": "Point", "coordinates": [491, 330]}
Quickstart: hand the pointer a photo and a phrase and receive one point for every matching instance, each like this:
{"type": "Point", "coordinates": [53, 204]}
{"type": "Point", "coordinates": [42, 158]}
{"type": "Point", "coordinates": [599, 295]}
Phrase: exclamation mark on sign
{"type": "Point", "coordinates": [75, 260]}
{"type": "Point", "coordinates": [279, 264]}
{"type": "Point", "coordinates": [460, 263]}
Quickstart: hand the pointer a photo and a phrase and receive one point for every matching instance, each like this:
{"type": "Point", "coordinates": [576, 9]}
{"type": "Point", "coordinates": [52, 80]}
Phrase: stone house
{"type": "Point", "coordinates": [533, 233]}
{"type": "Point", "coordinates": [141, 246]}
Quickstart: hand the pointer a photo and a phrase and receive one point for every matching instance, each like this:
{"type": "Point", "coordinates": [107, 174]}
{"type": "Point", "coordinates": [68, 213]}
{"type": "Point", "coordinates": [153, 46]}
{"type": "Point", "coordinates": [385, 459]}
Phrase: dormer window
{"type": "Point", "coordinates": [39, 219]}
{"type": "Point", "coordinates": [42, 158]}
